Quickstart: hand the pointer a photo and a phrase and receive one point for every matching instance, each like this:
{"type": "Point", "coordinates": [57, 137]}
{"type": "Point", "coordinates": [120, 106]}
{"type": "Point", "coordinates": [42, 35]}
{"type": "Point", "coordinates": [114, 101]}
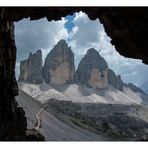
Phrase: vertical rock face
{"type": "Point", "coordinates": [59, 64]}
{"type": "Point", "coordinates": [10, 114]}
{"type": "Point", "coordinates": [31, 69]}
{"type": "Point", "coordinates": [92, 70]}
{"type": "Point", "coordinates": [114, 80]}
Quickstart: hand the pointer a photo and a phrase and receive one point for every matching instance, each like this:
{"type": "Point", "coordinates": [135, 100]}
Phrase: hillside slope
{"type": "Point", "coordinates": [59, 120]}
{"type": "Point", "coordinates": [54, 127]}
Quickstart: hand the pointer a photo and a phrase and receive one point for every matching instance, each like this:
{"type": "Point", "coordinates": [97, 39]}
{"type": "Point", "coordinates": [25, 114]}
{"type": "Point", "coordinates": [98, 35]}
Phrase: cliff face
{"type": "Point", "coordinates": [31, 69]}
{"type": "Point", "coordinates": [115, 80]}
{"type": "Point", "coordinates": [92, 70]}
{"type": "Point", "coordinates": [59, 64]}
{"type": "Point", "coordinates": [13, 122]}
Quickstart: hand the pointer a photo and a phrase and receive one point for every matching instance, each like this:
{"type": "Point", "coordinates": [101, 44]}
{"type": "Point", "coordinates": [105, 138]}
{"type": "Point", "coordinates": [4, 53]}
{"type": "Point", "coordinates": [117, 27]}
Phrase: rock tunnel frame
{"type": "Point", "coordinates": [127, 28]}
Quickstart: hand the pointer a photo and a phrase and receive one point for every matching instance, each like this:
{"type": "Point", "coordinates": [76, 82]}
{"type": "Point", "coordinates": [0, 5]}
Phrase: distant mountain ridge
{"type": "Point", "coordinates": [144, 87]}
{"type": "Point", "coordinates": [59, 69]}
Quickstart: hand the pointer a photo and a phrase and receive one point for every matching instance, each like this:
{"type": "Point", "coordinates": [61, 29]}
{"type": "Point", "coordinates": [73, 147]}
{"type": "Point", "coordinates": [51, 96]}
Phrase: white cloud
{"type": "Point", "coordinates": [85, 34]}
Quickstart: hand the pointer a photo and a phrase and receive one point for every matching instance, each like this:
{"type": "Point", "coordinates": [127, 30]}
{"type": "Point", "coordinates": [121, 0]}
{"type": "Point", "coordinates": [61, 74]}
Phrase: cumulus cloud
{"type": "Point", "coordinates": [85, 33]}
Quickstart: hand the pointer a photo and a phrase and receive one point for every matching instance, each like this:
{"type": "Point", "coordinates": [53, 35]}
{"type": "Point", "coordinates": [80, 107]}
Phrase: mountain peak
{"type": "Point", "coordinates": [92, 51]}
{"type": "Point", "coordinates": [62, 44]}
{"type": "Point", "coordinates": [92, 70]}
{"type": "Point", "coordinates": [59, 64]}
{"type": "Point", "coordinates": [62, 41]}
{"type": "Point", "coordinates": [31, 68]}
{"type": "Point", "coordinates": [37, 53]}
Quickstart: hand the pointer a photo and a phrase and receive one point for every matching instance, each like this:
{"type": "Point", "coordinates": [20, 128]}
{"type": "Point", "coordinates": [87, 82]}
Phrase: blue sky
{"type": "Point", "coordinates": [69, 24]}
{"type": "Point", "coordinates": [81, 34]}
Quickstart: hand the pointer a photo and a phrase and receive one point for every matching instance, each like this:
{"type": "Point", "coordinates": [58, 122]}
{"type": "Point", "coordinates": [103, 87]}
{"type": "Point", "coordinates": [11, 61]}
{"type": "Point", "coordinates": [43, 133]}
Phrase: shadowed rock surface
{"type": "Point", "coordinates": [135, 88]}
{"type": "Point", "coordinates": [92, 70]}
{"type": "Point", "coordinates": [31, 69]}
{"type": "Point", "coordinates": [59, 64]}
{"type": "Point", "coordinates": [144, 87]}
{"type": "Point", "coordinates": [114, 80]}
{"type": "Point", "coordinates": [12, 120]}
{"type": "Point", "coordinates": [33, 135]}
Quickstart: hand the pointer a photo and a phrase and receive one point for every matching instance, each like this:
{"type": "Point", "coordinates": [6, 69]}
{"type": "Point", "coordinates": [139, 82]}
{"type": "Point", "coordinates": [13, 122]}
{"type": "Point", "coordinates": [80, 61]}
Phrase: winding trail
{"type": "Point", "coordinates": [38, 118]}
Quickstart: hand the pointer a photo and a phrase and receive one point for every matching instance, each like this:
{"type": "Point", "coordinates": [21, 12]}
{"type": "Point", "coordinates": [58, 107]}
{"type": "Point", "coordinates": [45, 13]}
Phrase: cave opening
{"type": "Point", "coordinates": [77, 30]}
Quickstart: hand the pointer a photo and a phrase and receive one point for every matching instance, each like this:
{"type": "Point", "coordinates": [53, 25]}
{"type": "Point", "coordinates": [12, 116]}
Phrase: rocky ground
{"type": "Point", "coordinates": [120, 122]}
{"type": "Point", "coordinates": [68, 121]}
{"type": "Point", "coordinates": [55, 126]}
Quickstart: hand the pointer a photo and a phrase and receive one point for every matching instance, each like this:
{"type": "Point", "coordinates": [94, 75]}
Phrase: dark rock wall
{"type": "Point", "coordinates": [10, 114]}
{"type": "Point", "coordinates": [114, 80]}
{"type": "Point", "coordinates": [128, 30]}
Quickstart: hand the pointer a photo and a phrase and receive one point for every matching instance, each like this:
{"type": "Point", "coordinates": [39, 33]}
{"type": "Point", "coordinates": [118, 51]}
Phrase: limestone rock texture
{"type": "Point", "coordinates": [59, 65]}
{"type": "Point", "coordinates": [92, 70]}
{"type": "Point", "coordinates": [31, 69]}
{"type": "Point", "coordinates": [115, 80]}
